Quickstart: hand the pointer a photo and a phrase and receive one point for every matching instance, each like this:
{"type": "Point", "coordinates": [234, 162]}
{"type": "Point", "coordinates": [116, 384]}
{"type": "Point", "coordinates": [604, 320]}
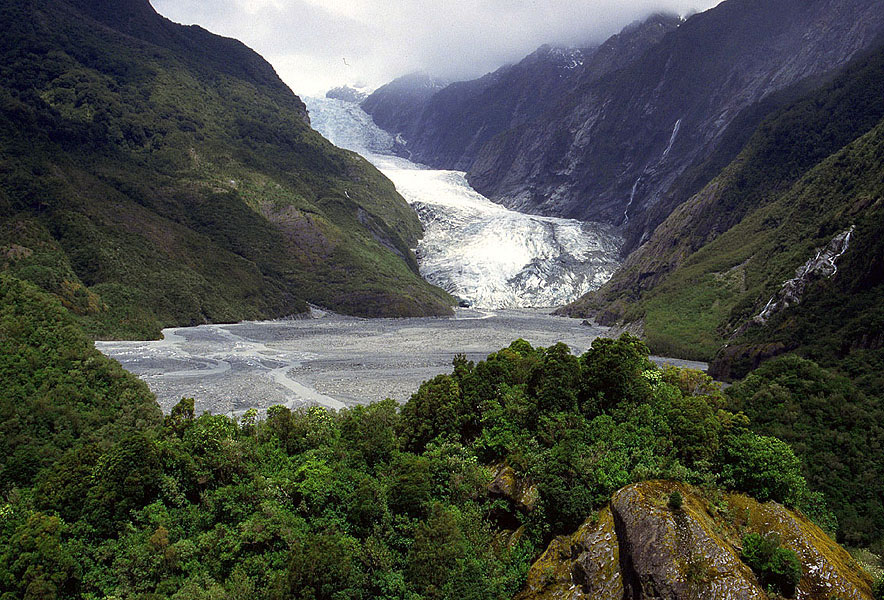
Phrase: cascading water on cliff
{"type": "Point", "coordinates": [473, 248]}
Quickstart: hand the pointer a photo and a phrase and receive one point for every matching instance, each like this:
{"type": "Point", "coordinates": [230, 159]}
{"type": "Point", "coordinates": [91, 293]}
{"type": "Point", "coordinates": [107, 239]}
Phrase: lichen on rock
{"type": "Point", "coordinates": [581, 566]}
{"type": "Point", "coordinates": [639, 547]}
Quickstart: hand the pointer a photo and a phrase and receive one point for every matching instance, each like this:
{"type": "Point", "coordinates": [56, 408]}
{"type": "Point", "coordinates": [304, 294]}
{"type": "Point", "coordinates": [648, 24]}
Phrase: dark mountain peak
{"type": "Point", "coordinates": [417, 81]}
{"type": "Point", "coordinates": [132, 17]}
{"type": "Point", "coordinates": [658, 19]}
{"type": "Point", "coordinates": [401, 100]}
{"type": "Point", "coordinates": [560, 56]}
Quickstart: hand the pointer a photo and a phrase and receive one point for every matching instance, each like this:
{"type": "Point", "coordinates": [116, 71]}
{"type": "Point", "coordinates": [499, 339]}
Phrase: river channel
{"type": "Point", "coordinates": [330, 360]}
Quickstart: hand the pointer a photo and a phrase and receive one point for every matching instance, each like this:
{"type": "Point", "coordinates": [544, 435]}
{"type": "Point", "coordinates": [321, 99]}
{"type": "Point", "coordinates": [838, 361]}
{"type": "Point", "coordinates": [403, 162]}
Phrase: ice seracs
{"type": "Point", "coordinates": [489, 255]}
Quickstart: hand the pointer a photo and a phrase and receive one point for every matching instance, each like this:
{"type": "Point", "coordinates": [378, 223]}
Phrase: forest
{"type": "Point", "coordinates": [106, 497]}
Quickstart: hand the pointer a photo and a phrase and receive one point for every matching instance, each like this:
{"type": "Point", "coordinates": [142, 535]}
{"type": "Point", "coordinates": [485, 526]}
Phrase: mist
{"type": "Point", "coordinates": [318, 44]}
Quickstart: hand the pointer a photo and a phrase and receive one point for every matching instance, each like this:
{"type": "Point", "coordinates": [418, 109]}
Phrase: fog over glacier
{"type": "Point", "coordinates": [473, 248]}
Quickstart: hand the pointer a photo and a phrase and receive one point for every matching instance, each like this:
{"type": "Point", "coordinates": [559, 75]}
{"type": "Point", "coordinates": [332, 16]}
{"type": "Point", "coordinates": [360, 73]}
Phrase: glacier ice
{"type": "Point", "coordinates": [485, 253]}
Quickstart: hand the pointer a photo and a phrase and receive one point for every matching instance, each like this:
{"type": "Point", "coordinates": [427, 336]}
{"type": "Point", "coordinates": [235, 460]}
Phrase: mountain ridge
{"type": "Point", "coordinates": [145, 187]}
{"type": "Point", "coordinates": [612, 144]}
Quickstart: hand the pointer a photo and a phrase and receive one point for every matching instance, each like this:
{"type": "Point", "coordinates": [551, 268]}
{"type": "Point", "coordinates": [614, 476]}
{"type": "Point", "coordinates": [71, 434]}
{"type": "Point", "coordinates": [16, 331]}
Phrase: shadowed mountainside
{"type": "Point", "coordinates": [153, 174]}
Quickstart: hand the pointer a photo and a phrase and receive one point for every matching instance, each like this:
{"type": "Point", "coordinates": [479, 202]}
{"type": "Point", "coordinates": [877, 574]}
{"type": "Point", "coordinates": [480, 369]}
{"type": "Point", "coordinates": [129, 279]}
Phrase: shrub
{"type": "Point", "coordinates": [775, 566]}
{"type": "Point", "coordinates": [675, 500]}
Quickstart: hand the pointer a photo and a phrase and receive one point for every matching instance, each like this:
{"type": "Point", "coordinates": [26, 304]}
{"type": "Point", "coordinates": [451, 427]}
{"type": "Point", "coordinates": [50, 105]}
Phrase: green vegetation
{"type": "Point", "coordinates": [675, 501]}
{"type": "Point", "coordinates": [102, 497]}
{"type": "Point", "coordinates": [836, 429]}
{"type": "Point", "coordinates": [810, 171]}
{"type": "Point", "coordinates": [58, 393]}
{"type": "Point", "coordinates": [777, 568]}
{"type": "Point", "coordinates": [146, 182]}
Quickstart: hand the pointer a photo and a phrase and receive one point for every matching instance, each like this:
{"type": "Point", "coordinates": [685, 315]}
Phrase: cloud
{"type": "Point", "coordinates": [317, 44]}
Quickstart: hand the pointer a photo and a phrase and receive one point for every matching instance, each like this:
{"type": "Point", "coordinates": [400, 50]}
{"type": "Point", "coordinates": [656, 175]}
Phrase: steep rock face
{"type": "Point", "coordinates": [676, 553]}
{"type": "Point", "coordinates": [639, 548]}
{"type": "Point", "coordinates": [612, 149]}
{"type": "Point", "coordinates": [397, 106]}
{"type": "Point", "coordinates": [447, 128]}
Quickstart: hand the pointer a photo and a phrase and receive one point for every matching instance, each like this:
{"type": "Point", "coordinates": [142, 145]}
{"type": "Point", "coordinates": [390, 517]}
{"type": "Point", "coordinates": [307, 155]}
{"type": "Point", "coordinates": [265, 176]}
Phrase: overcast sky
{"type": "Point", "coordinates": [318, 44]}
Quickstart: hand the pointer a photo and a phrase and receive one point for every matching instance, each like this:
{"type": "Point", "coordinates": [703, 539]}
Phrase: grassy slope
{"type": "Point", "coordinates": [727, 249]}
{"type": "Point", "coordinates": [730, 279]}
{"type": "Point", "coordinates": [147, 185]}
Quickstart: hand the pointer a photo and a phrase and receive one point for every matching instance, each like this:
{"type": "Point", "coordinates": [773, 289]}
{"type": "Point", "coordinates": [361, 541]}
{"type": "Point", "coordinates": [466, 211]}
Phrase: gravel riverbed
{"type": "Point", "coordinates": [329, 359]}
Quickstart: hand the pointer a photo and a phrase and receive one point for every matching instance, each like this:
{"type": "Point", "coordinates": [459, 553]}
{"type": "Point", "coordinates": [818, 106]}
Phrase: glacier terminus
{"type": "Point", "coordinates": [475, 249]}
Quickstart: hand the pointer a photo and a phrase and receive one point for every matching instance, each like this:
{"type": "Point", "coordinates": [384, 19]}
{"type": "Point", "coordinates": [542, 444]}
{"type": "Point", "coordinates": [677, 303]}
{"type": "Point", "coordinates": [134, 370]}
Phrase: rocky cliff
{"type": "Point", "coordinates": [447, 126]}
{"type": "Point", "coordinates": [640, 547]}
{"type": "Point", "coordinates": [613, 148]}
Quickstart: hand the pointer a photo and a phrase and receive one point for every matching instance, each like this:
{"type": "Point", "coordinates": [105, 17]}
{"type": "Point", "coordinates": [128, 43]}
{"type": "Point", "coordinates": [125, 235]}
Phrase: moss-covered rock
{"type": "Point", "coordinates": [640, 547]}
{"type": "Point", "coordinates": [583, 565]}
{"type": "Point", "coordinates": [828, 570]}
{"type": "Point", "coordinates": [676, 553]}
{"type": "Point", "coordinates": [521, 492]}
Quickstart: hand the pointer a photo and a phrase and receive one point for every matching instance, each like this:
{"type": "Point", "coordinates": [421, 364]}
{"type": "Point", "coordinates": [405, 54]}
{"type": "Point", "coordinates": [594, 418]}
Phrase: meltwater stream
{"type": "Point", "coordinates": [328, 359]}
{"type": "Point", "coordinates": [473, 248]}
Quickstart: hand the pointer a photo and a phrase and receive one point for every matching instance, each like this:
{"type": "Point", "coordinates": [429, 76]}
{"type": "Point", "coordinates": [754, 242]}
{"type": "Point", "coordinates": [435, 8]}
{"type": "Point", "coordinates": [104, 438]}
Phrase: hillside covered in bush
{"type": "Point", "coordinates": [453, 496]}
{"type": "Point", "coordinates": [153, 174]}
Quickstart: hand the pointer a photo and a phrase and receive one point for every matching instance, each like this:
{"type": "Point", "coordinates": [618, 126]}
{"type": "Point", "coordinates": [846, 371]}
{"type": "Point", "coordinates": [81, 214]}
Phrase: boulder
{"type": "Point", "coordinates": [641, 548]}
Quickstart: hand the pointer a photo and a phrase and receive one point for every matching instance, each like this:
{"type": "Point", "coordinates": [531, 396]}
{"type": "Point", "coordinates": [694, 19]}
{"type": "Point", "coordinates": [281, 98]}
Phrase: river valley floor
{"type": "Point", "coordinates": [329, 359]}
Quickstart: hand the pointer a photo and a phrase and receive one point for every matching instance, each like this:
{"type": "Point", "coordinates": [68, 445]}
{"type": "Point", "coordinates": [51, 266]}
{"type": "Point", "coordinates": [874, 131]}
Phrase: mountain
{"type": "Point", "coordinates": [610, 150]}
{"type": "Point", "coordinates": [446, 126]}
{"type": "Point", "coordinates": [153, 174]}
{"type": "Point", "coordinates": [397, 105]}
{"type": "Point", "coordinates": [781, 250]}
{"type": "Point", "coordinates": [608, 139]}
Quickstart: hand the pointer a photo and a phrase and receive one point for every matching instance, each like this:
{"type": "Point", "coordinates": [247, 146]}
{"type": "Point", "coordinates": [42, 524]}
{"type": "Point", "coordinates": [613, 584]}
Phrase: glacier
{"type": "Point", "coordinates": [486, 254]}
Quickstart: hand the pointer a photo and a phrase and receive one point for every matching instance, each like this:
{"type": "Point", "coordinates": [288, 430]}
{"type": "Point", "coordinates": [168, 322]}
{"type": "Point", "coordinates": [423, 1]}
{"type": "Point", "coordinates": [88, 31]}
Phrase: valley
{"type": "Point", "coordinates": [479, 251]}
{"type": "Point", "coordinates": [401, 344]}
{"type": "Point", "coordinates": [329, 359]}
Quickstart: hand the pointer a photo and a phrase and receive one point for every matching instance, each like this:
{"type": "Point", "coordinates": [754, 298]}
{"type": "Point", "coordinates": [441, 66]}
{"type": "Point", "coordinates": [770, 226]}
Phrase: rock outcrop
{"type": "Point", "coordinates": [639, 548]}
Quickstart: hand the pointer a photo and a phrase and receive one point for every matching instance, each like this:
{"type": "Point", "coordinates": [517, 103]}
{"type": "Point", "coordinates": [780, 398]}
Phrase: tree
{"type": "Point", "coordinates": [180, 417]}
{"type": "Point", "coordinates": [555, 382]}
{"type": "Point", "coordinates": [612, 373]}
{"type": "Point", "coordinates": [435, 409]}
{"type": "Point", "coordinates": [36, 564]}
{"type": "Point", "coordinates": [775, 566]}
{"type": "Point", "coordinates": [126, 477]}
{"type": "Point", "coordinates": [763, 467]}
{"type": "Point", "coordinates": [323, 567]}
{"type": "Point", "coordinates": [438, 544]}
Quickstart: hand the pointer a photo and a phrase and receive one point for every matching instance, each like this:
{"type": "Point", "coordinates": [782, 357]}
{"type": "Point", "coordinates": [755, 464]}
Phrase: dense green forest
{"type": "Point", "coordinates": [146, 181]}
{"type": "Point", "coordinates": [103, 497]}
